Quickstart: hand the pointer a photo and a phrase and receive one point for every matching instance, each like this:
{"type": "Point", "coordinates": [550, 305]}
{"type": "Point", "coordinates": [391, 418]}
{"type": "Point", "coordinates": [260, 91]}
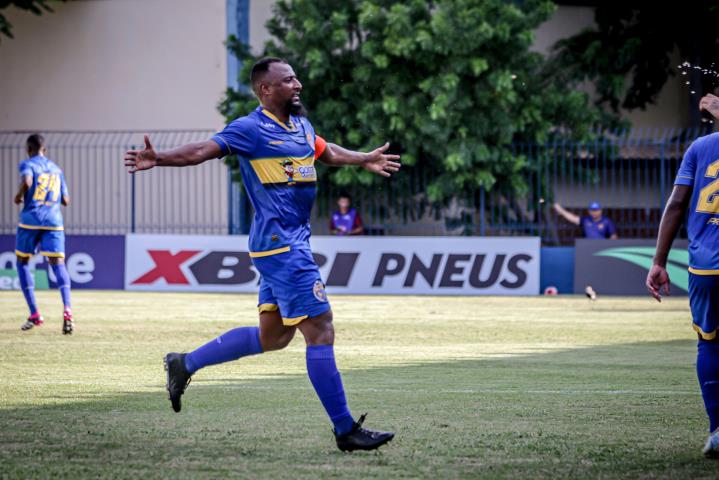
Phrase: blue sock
{"type": "Point", "coordinates": [708, 373]}
{"type": "Point", "coordinates": [327, 381]}
{"type": "Point", "coordinates": [27, 283]}
{"type": "Point", "coordinates": [63, 283]}
{"type": "Point", "coordinates": [231, 345]}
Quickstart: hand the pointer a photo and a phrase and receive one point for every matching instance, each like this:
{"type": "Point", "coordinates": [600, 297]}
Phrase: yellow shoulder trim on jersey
{"type": "Point", "coordinates": [279, 169]}
{"type": "Point", "coordinates": [53, 254]}
{"type": "Point", "coordinates": [268, 307]}
{"type": "Point", "coordinates": [697, 271]}
{"type": "Point", "coordinates": [39, 227]}
{"type": "Point", "coordinates": [271, 116]}
{"type": "Point", "coordinates": [23, 254]}
{"type": "Point", "coordinates": [267, 253]}
{"type": "Point", "coordinates": [293, 321]}
{"type": "Point", "coordinates": [704, 335]}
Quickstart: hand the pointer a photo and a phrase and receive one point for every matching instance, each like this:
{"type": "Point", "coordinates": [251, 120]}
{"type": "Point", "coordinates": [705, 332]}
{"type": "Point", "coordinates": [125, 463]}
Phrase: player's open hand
{"type": "Point", "coordinates": [710, 103]}
{"type": "Point", "coordinates": [381, 163]}
{"type": "Point", "coordinates": [658, 282]}
{"type": "Point", "coordinates": [138, 160]}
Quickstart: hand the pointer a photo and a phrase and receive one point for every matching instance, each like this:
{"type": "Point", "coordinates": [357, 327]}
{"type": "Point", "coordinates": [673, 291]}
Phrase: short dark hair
{"type": "Point", "coordinates": [345, 194]}
{"type": "Point", "coordinates": [35, 142]}
{"type": "Point", "coordinates": [260, 68]}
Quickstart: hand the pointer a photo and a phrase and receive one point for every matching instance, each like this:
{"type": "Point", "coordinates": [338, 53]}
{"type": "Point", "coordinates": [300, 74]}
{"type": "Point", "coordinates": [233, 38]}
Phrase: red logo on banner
{"type": "Point", "coordinates": [167, 266]}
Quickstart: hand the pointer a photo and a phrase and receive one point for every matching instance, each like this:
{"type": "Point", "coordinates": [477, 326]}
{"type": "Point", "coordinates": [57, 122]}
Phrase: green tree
{"type": "Point", "coordinates": [450, 83]}
{"type": "Point", "coordinates": [35, 6]}
{"type": "Point", "coordinates": [627, 54]}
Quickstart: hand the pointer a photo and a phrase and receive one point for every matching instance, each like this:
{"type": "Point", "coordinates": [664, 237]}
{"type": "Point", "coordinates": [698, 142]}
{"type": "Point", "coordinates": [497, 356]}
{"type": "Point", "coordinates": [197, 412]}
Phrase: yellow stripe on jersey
{"type": "Point", "coordinates": [285, 169]}
{"type": "Point", "coordinates": [704, 335]}
{"type": "Point", "coordinates": [697, 271]}
{"type": "Point", "coordinates": [271, 116]}
{"type": "Point", "coordinates": [38, 227]}
{"type": "Point", "coordinates": [267, 253]}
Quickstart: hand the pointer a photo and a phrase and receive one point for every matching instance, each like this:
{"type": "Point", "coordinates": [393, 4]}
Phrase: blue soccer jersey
{"type": "Point", "coordinates": [277, 168]}
{"type": "Point", "coordinates": [700, 170]}
{"type": "Point", "coordinates": [41, 205]}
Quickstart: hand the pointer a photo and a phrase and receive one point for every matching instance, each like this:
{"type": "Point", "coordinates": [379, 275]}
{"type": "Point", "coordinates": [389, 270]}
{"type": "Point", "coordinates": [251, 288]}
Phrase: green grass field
{"type": "Point", "coordinates": [490, 387]}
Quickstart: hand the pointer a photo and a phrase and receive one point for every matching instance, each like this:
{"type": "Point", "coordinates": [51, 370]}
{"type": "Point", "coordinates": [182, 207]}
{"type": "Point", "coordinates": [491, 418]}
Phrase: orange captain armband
{"type": "Point", "coordinates": [320, 146]}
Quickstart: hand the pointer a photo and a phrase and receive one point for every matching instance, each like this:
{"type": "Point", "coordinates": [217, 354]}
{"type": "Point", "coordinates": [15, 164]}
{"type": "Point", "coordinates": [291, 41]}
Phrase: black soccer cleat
{"type": "Point", "coordinates": [178, 378]}
{"type": "Point", "coordinates": [361, 438]}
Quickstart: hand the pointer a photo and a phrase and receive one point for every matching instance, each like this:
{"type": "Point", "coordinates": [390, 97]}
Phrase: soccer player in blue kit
{"type": "Point", "coordinates": [277, 148]}
{"type": "Point", "coordinates": [696, 188]}
{"type": "Point", "coordinates": [42, 190]}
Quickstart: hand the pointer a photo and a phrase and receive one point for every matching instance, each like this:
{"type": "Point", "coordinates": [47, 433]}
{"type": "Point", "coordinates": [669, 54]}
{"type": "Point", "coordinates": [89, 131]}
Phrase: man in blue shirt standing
{"type": "Point", "coordinates": [277, 147]}
{"type": "Point", "coordinates": [594, 225]}
{"type": "Point", "coordinates": [40, 230]}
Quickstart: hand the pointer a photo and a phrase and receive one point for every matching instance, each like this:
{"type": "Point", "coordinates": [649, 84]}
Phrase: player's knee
{"type": "Point", "coordinates": [56, 260]}
{"type": "Point", "coordinates": [319, 330]}
{"type": "Point", "coordinates": [276, 341]}
{"type": "Point", "coordinates": [22, 260]}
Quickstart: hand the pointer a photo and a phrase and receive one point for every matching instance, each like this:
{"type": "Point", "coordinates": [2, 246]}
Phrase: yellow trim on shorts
{"type": "Point", "coordinates": [267, 307]}
{"type": "Point", "coordinates": [704, 335]}
{"type": "Point", "coordinates": [53, 254]}
{"type": "Point", "coordinates": [293, 321]}
{"type": "Point", "coordinates": [270, 252]}
{"type": "Point", "coordinates": [23, 254]}
{"type": "Point", "coordinates": [697, 271]}
{"type": "Point", "coordinates": [39, 227]}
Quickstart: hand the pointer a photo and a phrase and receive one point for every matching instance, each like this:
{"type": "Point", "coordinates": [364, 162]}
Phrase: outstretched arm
{"type": "Point", "coordinates": [184, 156]}
{"type": "Point", "coordinates": [568, 216]}
{"type": "Point", "coordinates": [658, 279]}
{"type": "Point", "coordinates": [375, 161]}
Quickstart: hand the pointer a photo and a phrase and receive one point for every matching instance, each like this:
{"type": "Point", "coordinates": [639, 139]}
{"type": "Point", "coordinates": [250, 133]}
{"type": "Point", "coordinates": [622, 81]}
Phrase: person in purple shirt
{"type": "Point", "coordinates": [346, 220]}
{"type": "Point", "coordinates": [594, 225]}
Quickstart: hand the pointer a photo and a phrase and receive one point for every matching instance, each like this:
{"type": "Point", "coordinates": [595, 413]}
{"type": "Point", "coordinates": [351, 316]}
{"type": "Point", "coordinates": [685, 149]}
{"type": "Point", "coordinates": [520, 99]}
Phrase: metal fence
{"type": "Point", "coordinates": [106, 200]}
{"type": "Point", "coordinates": [629, 173]}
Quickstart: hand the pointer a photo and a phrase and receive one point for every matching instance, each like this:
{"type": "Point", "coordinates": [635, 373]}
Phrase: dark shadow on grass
{"type": "Point", "coordinates": [623, 410]}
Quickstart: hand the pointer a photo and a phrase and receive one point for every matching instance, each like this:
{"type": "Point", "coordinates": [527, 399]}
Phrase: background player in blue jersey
{"type": "Point", "coordinates": [42, 190]}
{"type": "Point", "coordinates": [277, 148]}
{"type": "Point", "coordinates": [696, 188]}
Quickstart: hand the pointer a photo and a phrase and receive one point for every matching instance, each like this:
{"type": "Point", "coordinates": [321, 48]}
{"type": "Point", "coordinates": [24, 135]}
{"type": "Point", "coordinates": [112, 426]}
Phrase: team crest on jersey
{"type": "Point", "coordinates": [309, 140]}
{"type": "Point", "coordinates": [319, 291]}
{"type": "Point", "coordinates": [289, 169]}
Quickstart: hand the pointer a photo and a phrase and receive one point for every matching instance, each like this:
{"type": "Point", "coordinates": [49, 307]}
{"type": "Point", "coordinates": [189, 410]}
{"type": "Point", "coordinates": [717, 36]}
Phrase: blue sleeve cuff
{"type": "Point", "coordinates": [683, 180]}
{"type": "Point", "coordinates": [224, 146]}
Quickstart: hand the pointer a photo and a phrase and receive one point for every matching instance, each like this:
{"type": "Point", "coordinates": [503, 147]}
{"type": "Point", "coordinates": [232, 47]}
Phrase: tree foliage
{"type": "Point", "coordinates": [450, 83]}
{"type": "Point", "coordinates": [627, 54]}
{"type": "Point", "coordinates": [35, 6]}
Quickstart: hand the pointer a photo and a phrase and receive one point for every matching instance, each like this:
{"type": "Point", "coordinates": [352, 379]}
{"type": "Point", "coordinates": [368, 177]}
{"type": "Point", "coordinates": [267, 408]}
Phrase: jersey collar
{"type": "Point", "coordinates": [290, 127]}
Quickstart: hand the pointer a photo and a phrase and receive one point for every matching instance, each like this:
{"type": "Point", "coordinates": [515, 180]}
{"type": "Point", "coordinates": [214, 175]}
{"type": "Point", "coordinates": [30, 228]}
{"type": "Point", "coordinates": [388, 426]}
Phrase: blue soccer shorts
{"type": "Point", "coordinates": [704, 303]}
{"type": "Point", "coordinates": [50, 243]}
{"type": "Point", "coordinates": [291, 282]}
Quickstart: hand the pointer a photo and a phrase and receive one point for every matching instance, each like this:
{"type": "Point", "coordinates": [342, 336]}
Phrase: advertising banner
{"type": "Point", "coordinates": [620, 267]}
{"type": "Point", "coordinates": [353, 265]}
